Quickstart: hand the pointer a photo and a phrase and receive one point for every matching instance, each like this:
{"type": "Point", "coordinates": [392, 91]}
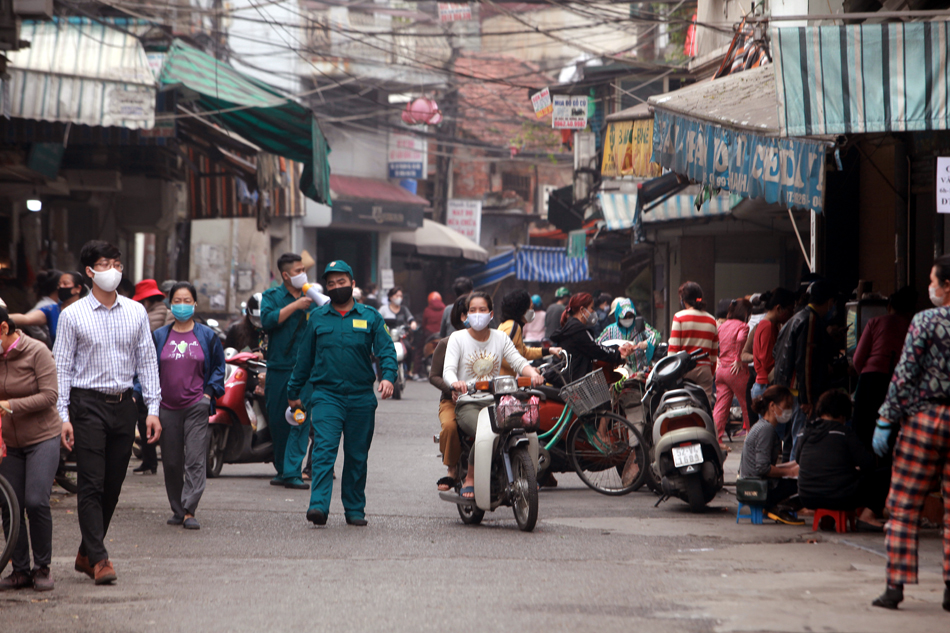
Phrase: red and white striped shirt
{"type": "Point", "coordinates": [695, 330]}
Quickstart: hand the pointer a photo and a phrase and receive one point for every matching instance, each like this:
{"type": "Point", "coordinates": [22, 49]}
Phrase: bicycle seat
{"type": "Point", "coordinates": [551, 393]}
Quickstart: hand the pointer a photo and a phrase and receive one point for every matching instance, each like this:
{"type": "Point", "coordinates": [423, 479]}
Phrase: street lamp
{"type": "Point", "coordinates": [34, 205]}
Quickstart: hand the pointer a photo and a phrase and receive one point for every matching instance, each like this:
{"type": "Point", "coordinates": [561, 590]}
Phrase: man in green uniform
{"type": "Point", "coordinates": [284, 314]}
{"type": "Point", "coordinates": [335, 357]}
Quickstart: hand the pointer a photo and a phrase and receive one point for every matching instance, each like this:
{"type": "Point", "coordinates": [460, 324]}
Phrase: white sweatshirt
{"type": "Point", "coordinates": [467, 359]}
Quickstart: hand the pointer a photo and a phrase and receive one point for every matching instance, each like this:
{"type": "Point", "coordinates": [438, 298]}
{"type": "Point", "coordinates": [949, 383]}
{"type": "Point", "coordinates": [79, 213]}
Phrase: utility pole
{"type": "Point", "coordinates": [444, 151]}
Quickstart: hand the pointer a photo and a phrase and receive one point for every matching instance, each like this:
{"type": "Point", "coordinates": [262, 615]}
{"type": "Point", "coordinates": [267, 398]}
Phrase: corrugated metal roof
{"type": "Point", "coordinates": [744, 101]}
{"type": "Point", "coordinates": [357, 188]}
{"type": "Point", "coordinates": [81, 72]}
{"type": "Point", "coordinates": [636, 113]}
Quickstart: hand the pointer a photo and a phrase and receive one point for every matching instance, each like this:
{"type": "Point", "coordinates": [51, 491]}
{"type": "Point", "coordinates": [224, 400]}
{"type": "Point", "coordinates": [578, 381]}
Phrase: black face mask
{"type": "Point", "coordinates": [341, 295]}
{"type": "Point", "coordinates": [64, 294]}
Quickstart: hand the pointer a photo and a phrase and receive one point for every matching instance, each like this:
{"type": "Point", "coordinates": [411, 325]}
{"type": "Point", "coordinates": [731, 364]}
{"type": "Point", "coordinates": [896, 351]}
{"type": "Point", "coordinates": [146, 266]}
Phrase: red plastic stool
{"type": "Point", "coordinates": [843, 520]}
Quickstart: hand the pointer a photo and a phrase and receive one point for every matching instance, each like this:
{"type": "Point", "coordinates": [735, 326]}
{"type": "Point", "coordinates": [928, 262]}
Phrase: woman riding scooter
{"type": "Point", "coordinates": [476, 354]}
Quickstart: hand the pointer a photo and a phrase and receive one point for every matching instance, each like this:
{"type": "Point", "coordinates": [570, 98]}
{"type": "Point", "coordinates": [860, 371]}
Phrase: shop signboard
{"type": "Point", "coordinates": [789, 172]}
{"type": "Point", "coordinates": [408, 155]}
{"type": "Point", "coordinates": [454, 11]}
{"type": "Point", "coordinates": [943, 184]}
{"type": "Point", "coordinates": [465, 217]}
{"type": "Point", "coordinates": [542, 103]}
{"type": "Point", "coordinates": [570, 112]}
{"type": "Point", "coordinates": [628, 148]}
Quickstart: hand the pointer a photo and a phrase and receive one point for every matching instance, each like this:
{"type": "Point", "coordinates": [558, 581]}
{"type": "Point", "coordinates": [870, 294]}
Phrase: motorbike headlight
{"type": "Point", "coordinates": [505, 384]}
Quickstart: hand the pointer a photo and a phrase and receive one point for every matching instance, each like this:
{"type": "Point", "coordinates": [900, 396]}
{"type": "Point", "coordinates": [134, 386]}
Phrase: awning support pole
{"type": "Point", "coordinates": [808, 260]}
{"type": "Point", "coordinates": [814, 240]}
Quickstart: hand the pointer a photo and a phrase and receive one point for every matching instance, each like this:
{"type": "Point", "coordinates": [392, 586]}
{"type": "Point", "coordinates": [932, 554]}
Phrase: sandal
{"type": "Point", "coordinates": [467, 490]}
{"type": "Point", "coordinates": [448, 482]}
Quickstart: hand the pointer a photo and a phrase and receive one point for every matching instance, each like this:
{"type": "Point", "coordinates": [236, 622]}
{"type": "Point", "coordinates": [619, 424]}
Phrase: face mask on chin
{"type": "Point", "coordinates": [107, 280]}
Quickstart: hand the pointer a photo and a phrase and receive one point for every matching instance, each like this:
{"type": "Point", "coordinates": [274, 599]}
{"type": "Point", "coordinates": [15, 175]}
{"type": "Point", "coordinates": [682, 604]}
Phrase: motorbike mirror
{"type": "Point", "coordinates": [639, 325]}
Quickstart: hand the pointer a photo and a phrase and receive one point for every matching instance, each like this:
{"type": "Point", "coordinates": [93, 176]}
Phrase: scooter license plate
{"type": "Point", "coordinates": [687, 455]}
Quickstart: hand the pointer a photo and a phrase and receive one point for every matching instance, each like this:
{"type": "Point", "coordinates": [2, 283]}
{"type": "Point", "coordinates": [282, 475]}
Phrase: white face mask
{"type": "Point", "coordinates": [784, 416]}
{"type": "Point", "coordinates": [396, 301]}
{"type": "Point", "coordinates": [107, 280]}
{"type": "Point", "coordinates": [529, 316]}
{"type": "Point", "coordinates": [626, 322]}
{"type": "Point", "coordinates": [935, 299]}
{"type": "Point", "coordinates": [479, 320]}
{"type": "Point", "coordinates": [297, 281]}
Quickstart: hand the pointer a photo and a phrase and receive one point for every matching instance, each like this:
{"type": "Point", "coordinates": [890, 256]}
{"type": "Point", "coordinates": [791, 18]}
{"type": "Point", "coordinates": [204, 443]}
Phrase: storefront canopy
{"type": "Point", "coordinates": [549, 265]}
{"type": "Point", "coordinates": [862, 78]}
{"type": "Point", "coordinates": [438, 240]}
{"type": "Point", "coordinates": [724, 134]}
{"type": "Point", "coordinates": [256, 111]}
{"type": "Point", "coordinates": [80, 72]}
{"type": "Point", "coordinates": [494, 270]}
{"type": "Point", "coordinates": [622, 212]}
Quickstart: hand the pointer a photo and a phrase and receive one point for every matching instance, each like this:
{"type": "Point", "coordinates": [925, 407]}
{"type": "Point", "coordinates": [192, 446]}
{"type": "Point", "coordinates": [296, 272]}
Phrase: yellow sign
{"type": "Point", "coordinates": [628, 148]}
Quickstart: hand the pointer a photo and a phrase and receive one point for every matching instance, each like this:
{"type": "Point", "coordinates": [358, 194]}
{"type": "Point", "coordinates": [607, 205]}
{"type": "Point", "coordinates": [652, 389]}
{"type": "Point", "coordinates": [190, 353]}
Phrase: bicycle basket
{"type": "Point", "coordinates": [586, 394]}
{"type": "Point", "coordinates": [511, 413]}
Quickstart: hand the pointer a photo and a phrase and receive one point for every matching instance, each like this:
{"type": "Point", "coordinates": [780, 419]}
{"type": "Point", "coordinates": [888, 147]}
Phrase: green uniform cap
{"type": "Point", "coordinates": [562, 292]}
{"type": "Point", "coordinates": [338, 266]}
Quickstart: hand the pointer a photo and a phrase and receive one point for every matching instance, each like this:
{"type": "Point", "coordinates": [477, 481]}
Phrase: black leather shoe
{"type": "Point", "coordinates": [357, 522]}
{"type": "Point", "coordinates": [316, 517]}
{"type": "Point", "coordinates": [889, 599]}
{"type": "Point", "coordinates": [145, 470]}
{"type": "Point", "coordinates": [175, 520]}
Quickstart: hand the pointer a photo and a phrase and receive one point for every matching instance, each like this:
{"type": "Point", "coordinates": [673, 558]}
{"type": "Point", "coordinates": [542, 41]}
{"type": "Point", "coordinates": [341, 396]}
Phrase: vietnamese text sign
{"type": "Point", "coordinates": [465, 217]}
{"type": "Point", "coordinates": [570, 112]}
{"type": "Point", "coordinates": [628, 148]}
{"type": "Point", "coordinates": [786, 171]}
{"type": "Point", "coordinates": [407, 156]}
{"type": "Point", "coordinates": [943, 184]}
{"type": "Point", "coordinates": [542, 103]}
{"type": "Point", "coordinates": [454, 11]}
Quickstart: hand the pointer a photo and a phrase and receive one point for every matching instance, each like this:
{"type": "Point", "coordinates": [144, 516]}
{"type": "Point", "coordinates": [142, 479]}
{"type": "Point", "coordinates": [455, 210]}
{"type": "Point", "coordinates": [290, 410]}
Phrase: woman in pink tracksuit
{"type": "Point", "coordinates": [732, 375]}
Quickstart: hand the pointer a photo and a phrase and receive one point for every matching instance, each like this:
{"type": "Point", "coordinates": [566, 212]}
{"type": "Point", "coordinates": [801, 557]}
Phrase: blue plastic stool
{"type": "Point", "coordinates": [755, 514]}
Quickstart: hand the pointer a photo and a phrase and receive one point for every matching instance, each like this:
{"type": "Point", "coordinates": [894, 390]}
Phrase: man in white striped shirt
{"type": "Point", "coordinates": [103, 341]}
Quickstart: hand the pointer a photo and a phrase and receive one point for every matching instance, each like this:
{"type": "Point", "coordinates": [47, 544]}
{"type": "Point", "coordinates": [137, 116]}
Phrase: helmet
{"type": "Point", "coordinates": [434, 296]}
{"type": "Point", "coordinates": [536, 301]}
{"type": "Point", "coordinates": [254, 309]}
{"type": "Point", "coordinates": [562, 292]}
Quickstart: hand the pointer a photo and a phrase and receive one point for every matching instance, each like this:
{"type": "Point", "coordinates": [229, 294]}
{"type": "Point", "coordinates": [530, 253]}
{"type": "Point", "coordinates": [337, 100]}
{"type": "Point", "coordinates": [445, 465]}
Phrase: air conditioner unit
{"type": "Point", "coordinates": [33, 9]}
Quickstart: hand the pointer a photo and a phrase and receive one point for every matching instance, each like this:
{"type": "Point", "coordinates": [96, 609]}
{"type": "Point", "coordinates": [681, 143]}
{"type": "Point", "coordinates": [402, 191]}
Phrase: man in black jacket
{"type": "Point", "coordinates": [836, 472]}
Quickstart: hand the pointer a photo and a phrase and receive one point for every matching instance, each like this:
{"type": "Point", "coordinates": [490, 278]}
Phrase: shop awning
{"type": "Point", "coordinates": [80, 72]}
{"type": "Point", "coordinates": [549, 265]}
{"type": "Point", "coordinates": [491, 272]}
{"type": "Point", "coordinates": [258, 112]}
{"type": "Point", "coordinates": [862, 78]}
{"type": "Point", "coordinates": [438, 240]}
{"type": "Point", "coordinates": [683, 207]}
{"type": "Point", "coordinates": [724, 134]}
{"type": "Point", "coordinates": [374, 204]}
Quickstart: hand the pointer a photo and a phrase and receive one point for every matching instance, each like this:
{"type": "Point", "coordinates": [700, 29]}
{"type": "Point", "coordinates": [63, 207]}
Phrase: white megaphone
{"type": "Point", "coordinates": [315, 292]}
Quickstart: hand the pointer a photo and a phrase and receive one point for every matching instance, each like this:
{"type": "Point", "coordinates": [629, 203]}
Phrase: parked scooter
{"type": "Point", "coordinates": [400, 336]}
{"type": "Point", "coordinates": [239, 431]}
{"type": "Point", "coordinates": [687, 461]}
{"type": "Point", "coordinates": [506, 454]}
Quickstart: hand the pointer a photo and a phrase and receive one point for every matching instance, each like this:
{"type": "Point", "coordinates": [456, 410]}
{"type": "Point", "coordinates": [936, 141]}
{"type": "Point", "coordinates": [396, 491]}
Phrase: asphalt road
{"type": "Point", "coordinates": [594, 563]}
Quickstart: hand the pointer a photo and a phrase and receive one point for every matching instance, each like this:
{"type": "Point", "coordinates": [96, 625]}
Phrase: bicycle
{"type": "Point", "coordinates": [603, 448]}
{"type": "Point", "coordinates": [10, 512]}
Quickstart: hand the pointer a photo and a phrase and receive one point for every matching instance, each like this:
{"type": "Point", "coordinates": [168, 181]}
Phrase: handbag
{"type": "Point", "coordinates": [753, 491]}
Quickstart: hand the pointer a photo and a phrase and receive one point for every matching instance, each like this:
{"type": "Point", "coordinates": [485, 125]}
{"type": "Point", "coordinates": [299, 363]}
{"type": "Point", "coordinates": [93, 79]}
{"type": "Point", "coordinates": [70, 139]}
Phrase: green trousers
{"type": "Point", "coordinates": [290, 442]}
{"type": "Point", "coordinates": [354, 418]}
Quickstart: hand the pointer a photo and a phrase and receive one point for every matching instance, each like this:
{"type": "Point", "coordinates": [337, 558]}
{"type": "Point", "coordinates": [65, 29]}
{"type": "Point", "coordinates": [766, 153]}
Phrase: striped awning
{"type": "Point", "coordinates": [683, 207]}
{"type": "Point", "coordinates": [620, 210]}
{"type": "Point", "coordinates": [494, 270]}
{"type": "Point", "coordinates": [258, 112]}
{"type": "Point", "coordinates": [862, 78]}
{"type": "Point", "coordinates": [80, 72]}
{"type": "Point", "coordinates": [549, 265]}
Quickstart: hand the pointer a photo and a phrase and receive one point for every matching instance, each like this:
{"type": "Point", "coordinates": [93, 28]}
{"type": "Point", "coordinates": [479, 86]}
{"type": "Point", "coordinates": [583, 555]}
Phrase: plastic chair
{"type": "Point", "coordinates": [755, 513]}
{"type": "Point", "coordinates": [843, 520]}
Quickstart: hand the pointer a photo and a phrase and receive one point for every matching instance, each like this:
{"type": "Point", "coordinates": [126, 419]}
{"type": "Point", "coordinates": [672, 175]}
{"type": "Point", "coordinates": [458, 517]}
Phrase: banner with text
{"type": "Point", "coordinates": [454, 11]}
{"type": "Point", "coordinates": [465, 217]}
{"type": "Point", "coordinates": [570, 112]}
{"type": "Point", "coordinates": [628, 148]}
{"type": "Point", "coordinates": [408, 156]}
{"type": "Point", "coordinates": [790, 172]}
{"type": "Point", "coordinates": [943, 184]}
{"type": "Point", "coordinates": [542, 103]}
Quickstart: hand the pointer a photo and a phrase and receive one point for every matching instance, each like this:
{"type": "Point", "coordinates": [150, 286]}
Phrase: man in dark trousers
{"type": "Point", "coordinates": [335, 358]}
{"type": "Point", "coordinates": [284, 313]}
{"type": "Point", "coordinates": [102, 342]}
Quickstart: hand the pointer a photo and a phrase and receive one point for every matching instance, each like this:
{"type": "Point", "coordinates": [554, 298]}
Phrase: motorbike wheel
{"type": "Point", "coordinates": [10, 511]}
{"type": "Point", "coordinates": [524, 491]}
{"type": "Point", "coordinates": [650, 479]}
{"type": "Point", "coordinates": [604, 446]}
{"type": "Point", "coordinates": [215, 451]}
{"type": "Point", "coordinates": [471, 515]}
{"type": "Point", "coordinates": [400, 383]}
{"type": "Point", "coordinates": [66, 474]}
{"type": "Point", "coordinates": [694, 493]}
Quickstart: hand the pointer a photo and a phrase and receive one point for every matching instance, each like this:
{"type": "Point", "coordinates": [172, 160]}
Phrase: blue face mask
{"type": "Point", "coordinates": [183, 311]}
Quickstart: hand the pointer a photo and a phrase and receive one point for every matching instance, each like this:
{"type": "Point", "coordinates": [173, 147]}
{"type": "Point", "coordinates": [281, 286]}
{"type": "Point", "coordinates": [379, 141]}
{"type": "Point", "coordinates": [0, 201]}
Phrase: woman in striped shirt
{"type": "Point", "coordinates": [695, 329]}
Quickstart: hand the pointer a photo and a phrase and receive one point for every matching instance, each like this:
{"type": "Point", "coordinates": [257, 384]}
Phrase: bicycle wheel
{"type": "Point", "coordinates": [10, 512]}
{"type": "Point", "coordinates": [607, 453]}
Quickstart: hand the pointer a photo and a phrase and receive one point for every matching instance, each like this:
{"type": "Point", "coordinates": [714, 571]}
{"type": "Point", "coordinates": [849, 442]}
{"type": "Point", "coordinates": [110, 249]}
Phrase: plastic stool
{"type": "Point", "coordinates": [843, 520]}
{"type": "Point", "coordinates": [755, 514]}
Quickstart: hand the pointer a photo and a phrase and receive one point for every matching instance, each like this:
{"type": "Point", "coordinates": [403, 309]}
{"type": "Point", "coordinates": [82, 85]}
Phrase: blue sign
{"type": "Point", "coordinates": [790, 172]}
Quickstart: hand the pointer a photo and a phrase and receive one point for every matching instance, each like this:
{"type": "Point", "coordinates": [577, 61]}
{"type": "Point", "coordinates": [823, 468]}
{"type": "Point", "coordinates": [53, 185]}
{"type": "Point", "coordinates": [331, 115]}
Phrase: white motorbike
{"type": "Point", "coordinates": [506, 454]}
{"type": "Point", "coordinates": [399, 336]}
